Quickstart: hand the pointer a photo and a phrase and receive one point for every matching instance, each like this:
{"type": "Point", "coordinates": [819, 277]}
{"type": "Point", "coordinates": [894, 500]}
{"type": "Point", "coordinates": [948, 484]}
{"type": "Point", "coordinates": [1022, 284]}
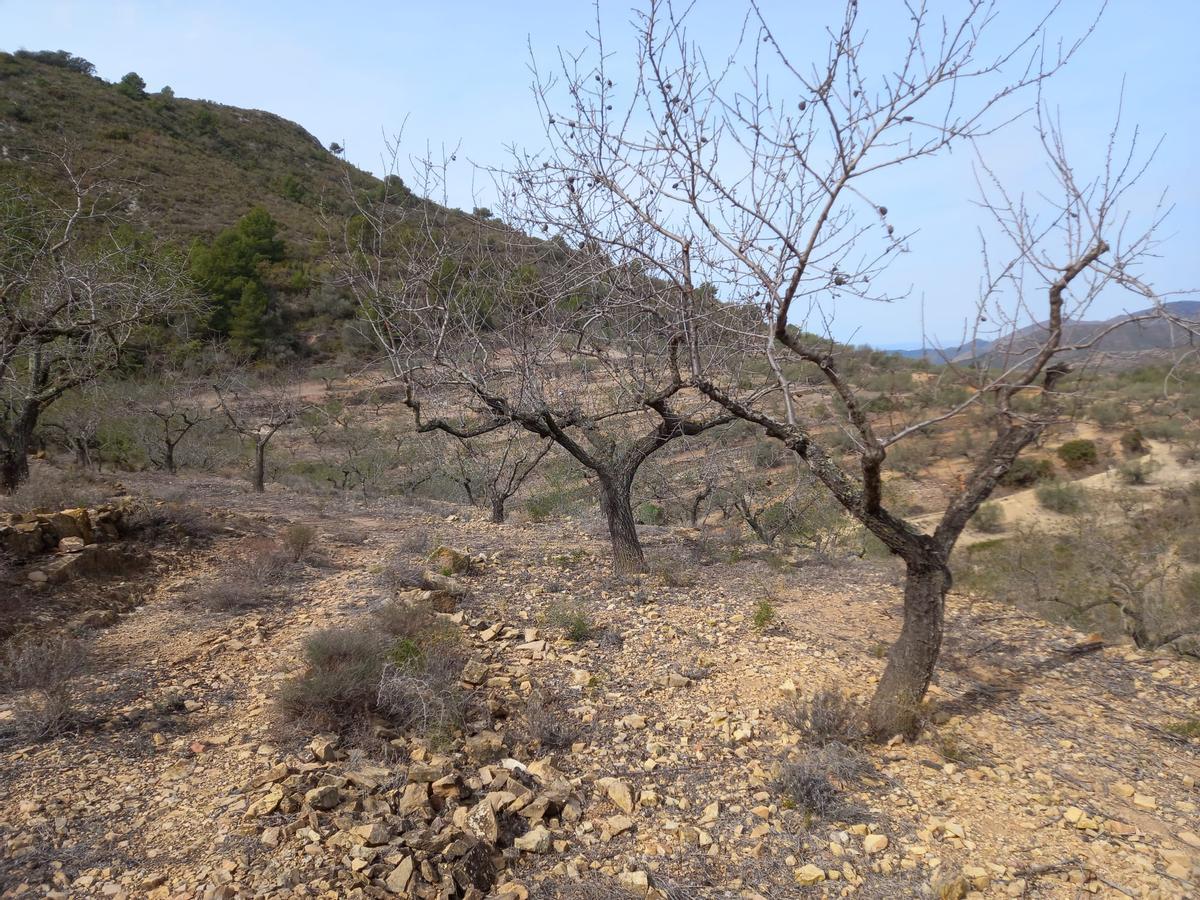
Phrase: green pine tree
{"type": "Point", "coordinates": [248, 320]}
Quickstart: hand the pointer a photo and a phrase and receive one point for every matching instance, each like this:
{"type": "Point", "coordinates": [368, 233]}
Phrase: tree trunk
{"type": "Point", "coordinates": [14, 468]}
{"type": "Point", "coordinates": [618, 510]}
{"type": "Point", "coordinates": [896, 705]}
{"type": "Point", "coordinates": [260, 467]}
{"type": "Point", "coordinates": [169, 458]}
{"type": "Point", "coordinates": [498, 509]}
{"type": "Point", "coordinates": [14, 451]}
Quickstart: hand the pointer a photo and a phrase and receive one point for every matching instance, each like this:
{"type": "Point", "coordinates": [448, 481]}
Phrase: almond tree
{"type": "Point", "coordinates": [492, 473]}
{"type": "Point", "coordinates": [487, 328]}
{"type": "Point", "coordinates": [257, 412]}
{"type": "Point", "coordinates": [768, 176]}
{"type": "Point", "coordinates": [74, 290]}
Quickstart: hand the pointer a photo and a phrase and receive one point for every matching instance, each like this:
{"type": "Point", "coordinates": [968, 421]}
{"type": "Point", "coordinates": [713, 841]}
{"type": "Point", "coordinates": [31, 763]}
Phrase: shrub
{"type": "Point", "coordinates": [814, 783]}
{"type": "Point", "coordinates": [404, 667]}
{"type": "Point", "coordinates": [543, 725]}
{"type": "Point", "coordinates": [53, 491]}
{"type": "Point", "coordinates": [234, 591]}
{"type": "Point", "coordinates": [1025, 472]}
{"type": "Point", "coordinates": [1078, 454]}
{"type": "Point", "coordinates": [158, 521]}
{"type": "Point", "coordinates": [573, 619]}
{"type": "Point", "coordinates": [341, 681]}
{"type": "Point", "coordinates": [989, 518]}
{"type": "Point", "coordinates": [1134, 442]}
{"type": "Point", "coordinates": [764, 615]}
{"type": "Point", "coordinates": [1164, 430]}
{"type": "Point", "coordinates": [1109, 413]}
{"type": "Point", "coordinates": [650, 513]}
{"type": "Point", "coordinates": [1061, 496]}
{"type": "Point", "coordinates": [768, 455]}
{"type": "Point", "coordinates": [828, 718]}
{"type": "Point", "coordinates": [298, 540]}
{"type": "Point", "coordinates": [1185, 728]}
{"type": "Point", "coordinates": [43, 668]}
{"type": "Point", "coordinates": [1137, 471]}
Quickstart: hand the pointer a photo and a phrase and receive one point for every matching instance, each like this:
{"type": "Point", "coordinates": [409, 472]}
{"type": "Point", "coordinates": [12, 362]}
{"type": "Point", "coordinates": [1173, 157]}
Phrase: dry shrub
{"type": "Point", "coordinates": [404, 667]}
{"type": "Point", "coordinates": [546, 726]}
{"type": "Point", "coordinates": [246, 582]}
{"type": "Point", "coordinates": [338, 687]}
{"type": "Point", "coordinates": [42, 668]}
{"type": "Point", "coordinates": [170, 520]}
{"type": "Point", "coordinates": [815, 782]}
{"type": "Point", "coordinates": [828, 718]}
{"type": "Point", "coordinates": [298, 540]}
{"type": "Point", "coordinates": [401, 574]}
{"type": "Point", "coordinates": [53, 490]}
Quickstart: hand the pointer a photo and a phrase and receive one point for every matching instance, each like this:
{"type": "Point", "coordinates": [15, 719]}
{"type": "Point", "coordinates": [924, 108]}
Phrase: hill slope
{"type": "Point", "coordinates": [192, 166]}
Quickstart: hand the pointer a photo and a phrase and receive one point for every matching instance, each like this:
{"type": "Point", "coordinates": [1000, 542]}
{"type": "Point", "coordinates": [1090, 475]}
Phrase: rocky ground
{"type": "Point", "coordinates": [1046, 771]}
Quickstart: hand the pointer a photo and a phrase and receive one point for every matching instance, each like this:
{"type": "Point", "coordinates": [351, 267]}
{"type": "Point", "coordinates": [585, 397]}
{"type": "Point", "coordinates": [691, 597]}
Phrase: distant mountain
{"type": "Point", "coordinates": [1132, 337]}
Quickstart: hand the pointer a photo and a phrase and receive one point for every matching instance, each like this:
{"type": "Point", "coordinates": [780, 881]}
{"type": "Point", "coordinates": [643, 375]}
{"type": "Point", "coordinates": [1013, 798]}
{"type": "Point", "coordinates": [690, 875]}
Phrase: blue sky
{"type": "Point", "coordinates": [458, 73]}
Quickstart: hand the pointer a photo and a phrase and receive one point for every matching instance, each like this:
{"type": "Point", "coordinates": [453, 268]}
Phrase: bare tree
{"type": "Point", "coordinates": [172, 406]}
{"type": "Point", "coordinates": [761, 175]}
{"type": "Point", "coordinates": [257, 412]}
{"type": "Point", "coordinates": [493, 329]}
{"type": "Point", "coordinates": [491, 473]}
{"type": "Point", "coordinates": [73, 291]}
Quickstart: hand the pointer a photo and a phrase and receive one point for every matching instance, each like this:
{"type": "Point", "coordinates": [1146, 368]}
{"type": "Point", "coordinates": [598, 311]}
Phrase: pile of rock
{"type": "Point", "coordinates": [24, 535]}
{"type": "Point", "coordinates": [83, 539]}
{"type": "Point", "coordinates": [439, 827]}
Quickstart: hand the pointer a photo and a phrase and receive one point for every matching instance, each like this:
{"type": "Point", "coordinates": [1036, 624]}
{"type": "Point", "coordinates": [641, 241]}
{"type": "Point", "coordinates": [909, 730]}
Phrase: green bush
{"type": "Point", "coordinates": [650, 513]}
{"type": "Point", "coordinates": [1025, 472]}
{"type": "Point", "coordinates": [1061, 496]}
{"type": "Point", "coordinates": [1078, 454]}
{"type": "Point", "coordinates": [989, 518]}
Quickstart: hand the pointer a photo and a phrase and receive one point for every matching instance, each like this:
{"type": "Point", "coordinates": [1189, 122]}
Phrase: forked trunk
{"type": "Point", "coordinates": [622, 530]}
{"type": "Point", "coordinates": [896, 705]}
{"type": "Point", "coordinates": [260, 467]}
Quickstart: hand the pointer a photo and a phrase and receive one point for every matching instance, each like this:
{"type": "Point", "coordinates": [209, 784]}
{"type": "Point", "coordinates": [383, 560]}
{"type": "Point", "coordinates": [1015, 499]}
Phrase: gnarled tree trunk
{"type": "Point", "coordinates": [895, 707]}
{"type": "Point", "coordinates": [615, 501]}
{"type": "Point", "coordinates": [498, 508]}
{"type": "Point", "coordinates": [14, 450]}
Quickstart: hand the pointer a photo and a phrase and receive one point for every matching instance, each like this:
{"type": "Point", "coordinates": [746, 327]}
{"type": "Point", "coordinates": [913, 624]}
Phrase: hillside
{"type": "Point", "coordinates": [192, 167]}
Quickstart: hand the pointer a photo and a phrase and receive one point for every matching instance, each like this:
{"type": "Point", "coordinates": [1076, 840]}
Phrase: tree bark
{"type": "Point", "coordinates": [260, 467]}
{"type": "Point", "coordinates": [896, 705]}
{"type": "Point", "coordinates": [169, 458]}
{"type": "Point", "coordinates": [14, 451]}
{"type": "Point", "coordinates": [622, 529]}
{"type": "Point", "coordinates": [498, 509]}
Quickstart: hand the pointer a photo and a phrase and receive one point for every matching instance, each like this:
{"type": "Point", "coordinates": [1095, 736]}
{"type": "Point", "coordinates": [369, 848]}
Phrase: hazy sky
{"type": "Point", "coordinates": [459, 72]}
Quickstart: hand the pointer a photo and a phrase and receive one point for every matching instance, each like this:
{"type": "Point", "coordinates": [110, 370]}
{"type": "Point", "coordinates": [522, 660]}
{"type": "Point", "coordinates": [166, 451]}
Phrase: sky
{"type": "Point", "coordinates": [457, 74]}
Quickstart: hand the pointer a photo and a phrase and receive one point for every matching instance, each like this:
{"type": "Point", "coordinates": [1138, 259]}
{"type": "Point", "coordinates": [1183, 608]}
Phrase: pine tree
{"type": "Point", "coordinates": [248, 321]}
